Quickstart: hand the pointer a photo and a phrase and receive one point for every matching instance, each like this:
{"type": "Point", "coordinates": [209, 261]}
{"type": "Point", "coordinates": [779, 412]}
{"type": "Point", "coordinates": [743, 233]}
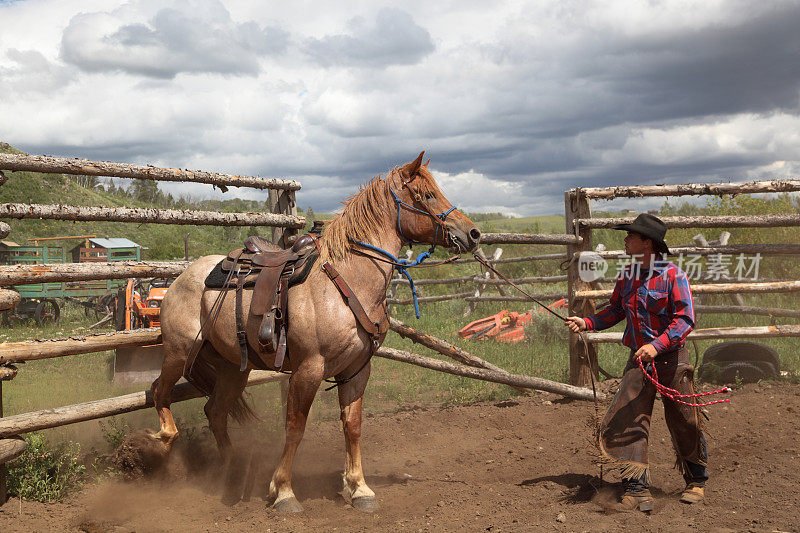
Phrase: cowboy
{"type": "Point", "coordinates": [653, 294]}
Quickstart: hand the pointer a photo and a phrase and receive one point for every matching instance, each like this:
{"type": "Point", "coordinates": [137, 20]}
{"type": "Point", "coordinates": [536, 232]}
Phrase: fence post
{"type": "Point", "coordinates": [282, 202]}
{"type": "Point", "coordinates": [577, 206]}
{"type": "Point", "coordinates": [486, 275]}
{"type": "Point", "coordinates": [3, 492]}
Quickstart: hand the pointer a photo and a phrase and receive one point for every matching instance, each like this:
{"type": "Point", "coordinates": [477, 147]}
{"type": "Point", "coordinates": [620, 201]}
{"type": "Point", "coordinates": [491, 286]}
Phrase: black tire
{"type": "Point", "coordinates": [47, 313]}
{"type": "Point", "coordinates": [741, 371]}
{"type": "Point", "coordinates": [729, 351]}
{"type": "Point", "coordinates": [742, 361]}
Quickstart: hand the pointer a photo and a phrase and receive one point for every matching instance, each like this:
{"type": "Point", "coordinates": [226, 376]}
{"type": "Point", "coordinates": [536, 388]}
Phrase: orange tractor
{"type": "Point", "coordinates": [139, 364]}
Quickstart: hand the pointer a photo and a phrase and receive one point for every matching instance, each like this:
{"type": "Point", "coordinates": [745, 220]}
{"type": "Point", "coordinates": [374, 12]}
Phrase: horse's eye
{"type": "Point", "coordinates": [429, 196]}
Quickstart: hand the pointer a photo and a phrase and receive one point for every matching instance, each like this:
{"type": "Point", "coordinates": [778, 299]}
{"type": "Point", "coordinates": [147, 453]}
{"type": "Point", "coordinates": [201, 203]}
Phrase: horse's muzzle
{"type": "Point", "coordinates": [464, 241]}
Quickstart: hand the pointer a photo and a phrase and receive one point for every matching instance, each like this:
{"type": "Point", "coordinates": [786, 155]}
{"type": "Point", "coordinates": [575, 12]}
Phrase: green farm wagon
{"type": "Point", "coordinates": [40, 301]}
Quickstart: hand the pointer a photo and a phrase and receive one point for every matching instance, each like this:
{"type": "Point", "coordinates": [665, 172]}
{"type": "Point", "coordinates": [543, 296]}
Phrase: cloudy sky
{"type": "Point", "coordinates": [514, 101]}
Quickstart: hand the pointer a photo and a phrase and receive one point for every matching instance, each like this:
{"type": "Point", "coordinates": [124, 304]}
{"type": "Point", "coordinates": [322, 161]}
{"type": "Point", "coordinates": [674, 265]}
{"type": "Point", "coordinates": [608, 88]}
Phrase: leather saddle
{"type": "Point", "coordinates": [268, 270]}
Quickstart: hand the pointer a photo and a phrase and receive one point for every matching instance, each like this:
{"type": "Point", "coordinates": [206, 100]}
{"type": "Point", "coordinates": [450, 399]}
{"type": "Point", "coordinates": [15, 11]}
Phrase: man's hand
{"type": "Point", "coordinates": [647, 352]}
{"type": "Point", "coordinates": [575, 323]}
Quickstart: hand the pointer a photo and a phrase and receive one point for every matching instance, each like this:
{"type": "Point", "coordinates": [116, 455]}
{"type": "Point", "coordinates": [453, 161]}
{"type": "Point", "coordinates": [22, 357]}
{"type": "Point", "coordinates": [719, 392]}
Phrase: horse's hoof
{"type": "Point", "coordinates": [230, 498]}
{"type": "Point", "coordinates": [288, 505]}
{"type": "Point", "coordinates": [365, 504]}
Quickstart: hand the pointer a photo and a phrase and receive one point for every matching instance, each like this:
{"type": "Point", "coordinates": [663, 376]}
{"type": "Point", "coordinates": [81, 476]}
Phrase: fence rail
{"type": "Point", "coordinates": [19, 352]}
{"type": "Point", "coordinates": [713, 333]}
{"type": "Point", "coordinates": [69, 272]}
{"type": "Point", "coordinates": [529, 238]}
{"type": "Point", "coordinates": [84, 167]}
{"type": "Point", "coordinates": [727, 249]}
{"type": "Point", "coordinates": [693, 189]}
{"type": "Point", "coordinates": [715, 221]}
{"type": "Point", "coordinates": [146, 215]}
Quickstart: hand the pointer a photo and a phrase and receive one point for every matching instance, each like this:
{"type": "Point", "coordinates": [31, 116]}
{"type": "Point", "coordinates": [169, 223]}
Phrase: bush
{"type": "Point", "coordinates": [43, 472]}
{"type": "Point", "coordinates": [114, 432]}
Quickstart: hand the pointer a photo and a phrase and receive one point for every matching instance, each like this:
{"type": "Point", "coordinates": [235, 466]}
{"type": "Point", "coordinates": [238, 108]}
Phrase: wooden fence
{"type": "Point", "coordinates": [285, 222]}
{"type": "Point", "coordinates": [582, 295]}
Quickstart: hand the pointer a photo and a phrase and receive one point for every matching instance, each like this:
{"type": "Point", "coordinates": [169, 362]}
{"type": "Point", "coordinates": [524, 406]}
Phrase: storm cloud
{"type": "Point", "coordinates": [173, 40]}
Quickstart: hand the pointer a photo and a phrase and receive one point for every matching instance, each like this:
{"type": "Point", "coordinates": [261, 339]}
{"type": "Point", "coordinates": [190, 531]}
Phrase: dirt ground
{"type": "Point", "coordinates": [519, 465]}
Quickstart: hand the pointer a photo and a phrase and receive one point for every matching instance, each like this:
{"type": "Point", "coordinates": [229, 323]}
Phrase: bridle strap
{"type": "Point", "coordinates": [438, 218]}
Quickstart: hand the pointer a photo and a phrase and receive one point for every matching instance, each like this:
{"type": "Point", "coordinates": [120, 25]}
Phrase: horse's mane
{"type": "Point", "coordinates": [364, 214]}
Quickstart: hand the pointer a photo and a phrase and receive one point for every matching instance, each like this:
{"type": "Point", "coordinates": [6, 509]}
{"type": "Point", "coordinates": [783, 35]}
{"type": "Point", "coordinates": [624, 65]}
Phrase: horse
{"type": "Point", "coordinates": [325, 339]}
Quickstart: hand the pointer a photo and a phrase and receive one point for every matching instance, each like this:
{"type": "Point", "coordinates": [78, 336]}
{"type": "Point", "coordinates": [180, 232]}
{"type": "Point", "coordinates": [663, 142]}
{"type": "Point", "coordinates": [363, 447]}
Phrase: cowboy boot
{"type": "Point", "coordinates": [631, 501]}
{"type": "Point", "coordinates": [693, 493]}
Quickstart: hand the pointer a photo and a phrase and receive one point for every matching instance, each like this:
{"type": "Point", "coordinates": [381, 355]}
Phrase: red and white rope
{"type": "Point", "coordinates": [673, 394]}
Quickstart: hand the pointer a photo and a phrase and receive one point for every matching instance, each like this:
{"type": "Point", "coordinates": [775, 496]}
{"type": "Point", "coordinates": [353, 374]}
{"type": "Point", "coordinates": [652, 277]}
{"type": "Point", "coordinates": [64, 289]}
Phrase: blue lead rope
{"type": "Point", "coordinates": [403, 265]}
{"type": "Point", "coordinates": [403, 270]}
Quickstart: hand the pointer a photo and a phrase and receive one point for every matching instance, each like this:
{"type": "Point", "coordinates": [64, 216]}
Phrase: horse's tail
{"type": "Point", "coordinates": [203, 375]}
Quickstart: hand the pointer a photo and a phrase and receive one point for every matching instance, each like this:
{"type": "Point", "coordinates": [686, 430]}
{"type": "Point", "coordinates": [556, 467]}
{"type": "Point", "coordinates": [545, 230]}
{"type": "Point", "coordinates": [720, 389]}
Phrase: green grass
{"type": "Point", "coordinates": [540, 224]}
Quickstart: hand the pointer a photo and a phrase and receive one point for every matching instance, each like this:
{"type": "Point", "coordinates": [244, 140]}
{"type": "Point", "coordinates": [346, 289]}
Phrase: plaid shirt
{"type": "Point", "coordinates": [657, 304]}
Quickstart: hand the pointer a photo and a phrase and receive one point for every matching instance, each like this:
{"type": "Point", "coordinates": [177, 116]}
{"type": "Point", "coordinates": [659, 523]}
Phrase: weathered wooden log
{"type": "Point", "coordinates": [476, 279]}
{"type": "Point", "coordinates": [504, 378]}
{"type": "Point", "coordinates": [66, 272]}
{"type": "Point", "coordinates": [746, 310]}
{"type": "Point", "coordinates": [531, 279]}
{"type": "Point", "coordinates": [16, 352]}
{"type": "Point", "coordinates": [444, 281]}
{"type": "Point", "coordinates": [429, 299]}
{"type": "Point", "coordinates": [71, 414]}
{"type": "Point", "coordinates": [10, 449]}
{"type": "Point", "coordinates": [147, 215]}
{"type": "Point", "coordinates": [713, 333]}
{"type": "Point", "coordinates": [5, 230]}
{"type": "Point", "coordinates": [528, 238]}
{"type": "Point", "coordinates": [443, 347]}
{"type": "Point", "coordinates": [637, 191]}
{"type": "Point", "coordinates": [521, 259]}
{"type": "Point", "coordinates": [105, 320]}
{"type": "Point", "coordinates": [540, 296]}
{"type": "Point", "coordinates": [718, 221]}
{"type": "Point", "coordinates": [717, 288]}
{"type": "Point", "coordinates": [8, 299]}
{"type": "Point", "coordinates": [730, 249]}
{"type": "Point", "coordinates": [84, 167]}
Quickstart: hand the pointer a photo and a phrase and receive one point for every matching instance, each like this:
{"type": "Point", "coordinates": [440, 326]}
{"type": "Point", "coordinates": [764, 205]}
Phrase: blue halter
{"type": "Point", "coordinates": [402, 265]}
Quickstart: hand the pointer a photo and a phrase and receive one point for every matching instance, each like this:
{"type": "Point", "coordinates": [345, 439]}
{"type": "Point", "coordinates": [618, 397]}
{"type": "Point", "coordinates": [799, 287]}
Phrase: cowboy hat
{"type": "Point", "coordinates": [648, 226]}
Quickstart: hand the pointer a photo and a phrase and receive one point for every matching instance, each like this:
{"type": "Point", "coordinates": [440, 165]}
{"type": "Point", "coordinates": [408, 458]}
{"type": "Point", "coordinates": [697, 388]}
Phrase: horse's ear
{"type": "Point", "coordinates": [425, 164]}
{"type": "Point", "coordinates": [413, 167]}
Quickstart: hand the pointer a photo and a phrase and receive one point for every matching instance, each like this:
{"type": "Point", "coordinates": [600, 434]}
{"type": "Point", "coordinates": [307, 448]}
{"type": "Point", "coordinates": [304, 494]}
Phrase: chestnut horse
{"type": "Point", "coordinates": [324, 338]}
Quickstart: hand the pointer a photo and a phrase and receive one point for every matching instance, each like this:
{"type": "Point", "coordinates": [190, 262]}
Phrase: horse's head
{"type": "Point", "coordinates": [424, 214]}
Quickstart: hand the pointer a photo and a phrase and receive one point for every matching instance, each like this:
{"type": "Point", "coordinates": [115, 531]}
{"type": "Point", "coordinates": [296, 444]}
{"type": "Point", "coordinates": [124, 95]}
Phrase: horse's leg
{"type": "Point", "coordinates": [228, 389]}
{"type": "Point", "coordinates": [350, 400]}
{"type": "Point", "coordinates": [303, 387]}
{"type": "Point", "coordinates": [161, 390]}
